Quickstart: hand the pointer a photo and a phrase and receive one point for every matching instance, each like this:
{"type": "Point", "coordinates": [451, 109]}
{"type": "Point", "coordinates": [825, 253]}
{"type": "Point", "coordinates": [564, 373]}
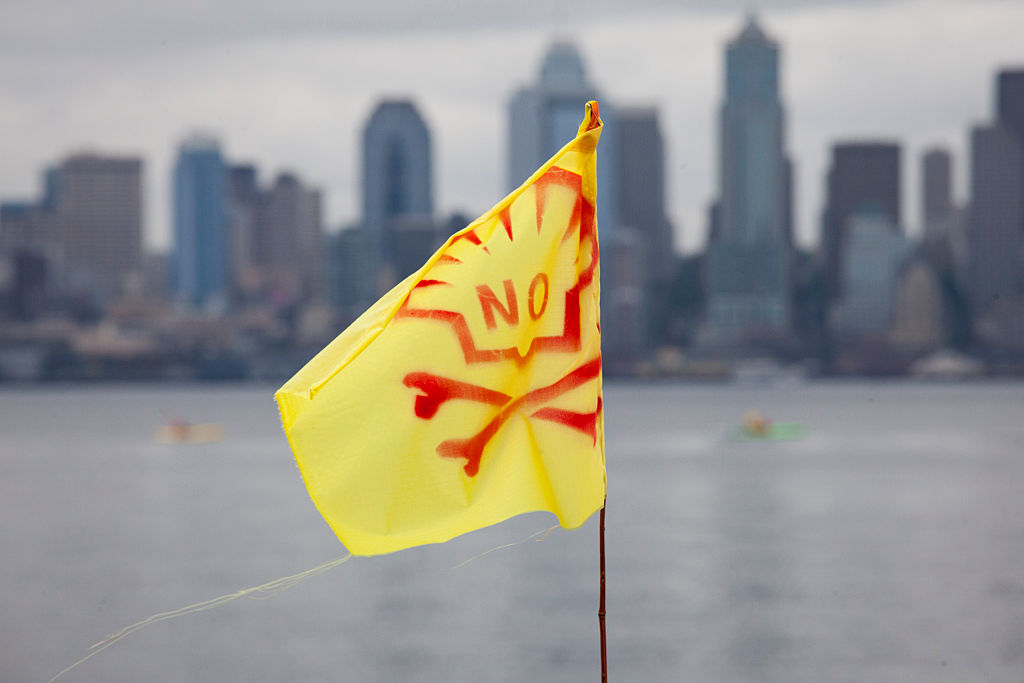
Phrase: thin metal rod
{"type": "Point", "coordinates": [601, 611]}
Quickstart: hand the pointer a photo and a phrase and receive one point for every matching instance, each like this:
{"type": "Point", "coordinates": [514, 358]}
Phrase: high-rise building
{"type": "Point", "coordinates": [28, 254]}
{"type": "Point", "coordinates": [862, 176]}
{"type": "Point", "coordinates": [202, 247]}
{"type": "Point", "coordinates": [288, 238]}
{"type": "Point", "coordinates": [87, 226]}
{"type": "Point", "coordinates": [936, 190]}
{"type": "Point", "coordinates": [1010, 100]}
{"type": "Point", "coordinates": [243, 204]}
{"type": "Point", "coordinates": [26, 225]}
{"type": "Point", "coordinates": [397, 179]}
{"type": "Point", "coordinates": [542, 118]}
{"type": "Point", "coordinates": [869, 270]}
{"type": "Point", "coordinates": [349, 272]}
{"type": "Point", "coordinates": [995, 223]}
{"type": "Point", "coordinates": [995, 236]}
{"type": "Point", "coordinates": [276, 238]}
{"type": "Point", "coordinates": [546, 115]}
{"type": "Point", "coordinates": [918, 309]}
{"type": "Point", "coordinates": [996, 216]}
{"type": "Point", "coordinates": [752, 163]}
{"type": "Point", "coordinates": [640, 154]}
{"type": "Point", "coordinates": [749, 255]}
{"type": "Point", "coordinates": [99, 218]}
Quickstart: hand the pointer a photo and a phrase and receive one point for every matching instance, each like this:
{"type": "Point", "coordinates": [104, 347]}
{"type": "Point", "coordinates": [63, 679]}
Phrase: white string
{"type": "Point", "coordinates": [262, 591]}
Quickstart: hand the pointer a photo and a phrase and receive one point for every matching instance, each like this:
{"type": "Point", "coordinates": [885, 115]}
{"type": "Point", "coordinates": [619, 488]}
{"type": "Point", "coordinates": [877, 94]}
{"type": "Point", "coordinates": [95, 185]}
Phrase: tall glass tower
{"type": "Point", "coordinates": [546, 115]}
{"type": "Point", "coordinates": [750, 243]}
{"type": "Point", "coordinates": [398, 202]}
{"type": "Point", "coordinates": [396, 164]}
{"type": "Point", "coordinates": [201, 268]}
{"type": "Point", "coordinates": [752, 171]}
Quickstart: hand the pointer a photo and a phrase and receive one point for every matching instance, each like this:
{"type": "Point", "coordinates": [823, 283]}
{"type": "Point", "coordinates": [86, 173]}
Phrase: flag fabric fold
{"type": "Point", "coordinates": [471, 392]}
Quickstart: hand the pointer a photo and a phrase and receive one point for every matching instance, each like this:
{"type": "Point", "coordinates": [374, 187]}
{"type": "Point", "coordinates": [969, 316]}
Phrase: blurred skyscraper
{"type": "Point", "coordinates": [350, 272]}
{"type": "Point", "coordinates": [288, 240]}
{"type": "Point", "coordinates": [873, 254]}
{"type": "Point", "coordinates": [201, 264]}
{"type": "Point", "coordinates": [98, 207]}
{"type": "Point", "coordinates": [1010, 100]}
{"type": "Point", "coordinates": [920, 321]}
{"type": "Point", "coordinates": [276, 238]}
{"type": "Point", "coordinates": [640, 153]}
{"type": "Point", "coordinates": [545, 116]}
{"type": "Point", "coordinates": [541, 119]}
{"type": "Point", "coordinates": [863, 176]}
{"type": "Point", "coordinates": [397, 182]}
{"type": "Point", "coordinates": [996, 223]}
{"type": "Point", "coordinates": [936, 186]}
{"type": "Point", "coordinates": [244, 199]}
{"type": "Point", "coordinates": [750, 243]}
{"type": "Point", "coordinates": [86, 229]}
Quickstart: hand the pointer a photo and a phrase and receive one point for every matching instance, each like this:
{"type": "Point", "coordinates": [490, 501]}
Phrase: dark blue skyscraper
{"type": "Point", "coordinates": [201, 267]}
{"type": "Point", "coordinates": [996, 222]}
{"type": "Point", "coordinates": [748, 254]}
{"type": "Point", "coordinates": [542, 117]}
{"type": "Point", "coordinates": [398, 189]}
{"type": "Point", "coordinates": [752, 162]}
{"type": "Point", "coordinates": [397, 164]}
{"type": "Point", "coordinates": [546, 115]}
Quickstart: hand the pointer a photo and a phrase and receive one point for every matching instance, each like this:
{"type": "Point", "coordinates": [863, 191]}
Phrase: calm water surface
{"type": "Point", "coordinates": [887, 545]}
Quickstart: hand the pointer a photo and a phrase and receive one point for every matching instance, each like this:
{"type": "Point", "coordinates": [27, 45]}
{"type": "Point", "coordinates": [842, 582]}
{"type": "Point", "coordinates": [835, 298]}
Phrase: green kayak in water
{"type": "Point", "coordinates": [756, 427]}
{"type": "Point", "coordinates": [775, 431]}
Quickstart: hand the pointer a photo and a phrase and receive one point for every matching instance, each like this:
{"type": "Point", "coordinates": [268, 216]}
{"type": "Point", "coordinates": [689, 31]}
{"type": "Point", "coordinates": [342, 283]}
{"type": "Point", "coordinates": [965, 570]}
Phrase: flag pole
{"type": "Point", "coordinates": [601, 610]}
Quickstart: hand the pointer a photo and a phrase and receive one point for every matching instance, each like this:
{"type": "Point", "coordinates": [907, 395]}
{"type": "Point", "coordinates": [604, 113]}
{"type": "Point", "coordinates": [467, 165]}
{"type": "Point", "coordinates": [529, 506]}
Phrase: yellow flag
{"type": "Point", "coordinates": [471, 392]}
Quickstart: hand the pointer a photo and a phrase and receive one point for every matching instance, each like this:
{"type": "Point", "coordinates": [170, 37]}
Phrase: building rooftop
{"type": "Point", "coordinates": [752, 33]}
{"type": "Point", "coordinates": [562, 66]}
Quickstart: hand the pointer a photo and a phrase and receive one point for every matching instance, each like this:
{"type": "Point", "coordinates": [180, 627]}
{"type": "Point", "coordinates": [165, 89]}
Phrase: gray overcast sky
{"type": "Point", "coordinates": [289, 85]}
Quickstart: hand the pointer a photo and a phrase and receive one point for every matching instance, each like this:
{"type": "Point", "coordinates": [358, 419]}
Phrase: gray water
{"type": "Point", "coordinates": [887, 545]}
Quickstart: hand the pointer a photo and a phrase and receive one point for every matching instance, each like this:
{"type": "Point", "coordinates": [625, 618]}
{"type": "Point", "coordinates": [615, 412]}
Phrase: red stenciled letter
{"type": "Point", "coordinates": [489, 301]}
{"type": "Point", "coordinates": [536, 310]}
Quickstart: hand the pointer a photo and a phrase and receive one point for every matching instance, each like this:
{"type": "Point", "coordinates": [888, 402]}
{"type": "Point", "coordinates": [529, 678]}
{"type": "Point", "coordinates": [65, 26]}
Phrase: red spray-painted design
{"type": "Point", "coordinates": [435, 391]}
{"type": "Point", "coordinates": [583, 221]}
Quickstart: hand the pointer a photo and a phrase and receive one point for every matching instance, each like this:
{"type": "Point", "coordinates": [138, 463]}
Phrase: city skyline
{"type": "Point", "coordinates": [285, 101]}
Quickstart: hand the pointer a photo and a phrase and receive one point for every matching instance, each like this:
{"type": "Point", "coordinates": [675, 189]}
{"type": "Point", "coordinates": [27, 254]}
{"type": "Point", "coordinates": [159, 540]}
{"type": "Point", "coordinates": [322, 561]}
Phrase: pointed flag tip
{"type": "Point", "coordinates": [591, 118]}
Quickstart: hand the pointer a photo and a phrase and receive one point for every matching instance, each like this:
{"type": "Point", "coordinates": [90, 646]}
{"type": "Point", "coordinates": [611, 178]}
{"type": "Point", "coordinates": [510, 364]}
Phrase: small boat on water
{"type": "Point", "coordinates": [757, 427]}
{"type": "Point", "coordinates": [181, 432]}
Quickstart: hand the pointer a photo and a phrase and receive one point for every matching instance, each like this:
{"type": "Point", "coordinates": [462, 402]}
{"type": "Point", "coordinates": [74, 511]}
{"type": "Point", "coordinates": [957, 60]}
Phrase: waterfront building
{"type": "Point", "coordinates": [87, 226]}
{"type": "Point", "coordinates": [996, 216]}
{"type": "Point", "coordinates": [288, 240]}
{"type": "Point", "coordinates": [1010, 100]}
{"type": "Point", "coordinates": [874, 253]}
{"type": "Point", "coordinates": [918, 320]}
{"type": "Point", "coordinates": [937, 209]}
{"type": "Point", "coordinates": [749, 251]}
{"type": "Point", "coordinates": [862, 176]}
{"type": "Point", "coordinates": [244, 199]}
{"type": "Point", "coordinates": [545, 115]}
{"type": "Point", "coordinates": [276, 238]}
{"type": "Point", "coordinates": [350, 274]}
{"type": "Point", "coordinates": [202, 251]}
{"type": "Point", "coordinates": [397, 181]}
{"type": "Point", "coordinates": [640, 155]}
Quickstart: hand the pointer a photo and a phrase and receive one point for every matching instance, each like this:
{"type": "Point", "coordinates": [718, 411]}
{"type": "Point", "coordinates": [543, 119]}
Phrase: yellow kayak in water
{"type": "Point", "coordinates": [179, 431]}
